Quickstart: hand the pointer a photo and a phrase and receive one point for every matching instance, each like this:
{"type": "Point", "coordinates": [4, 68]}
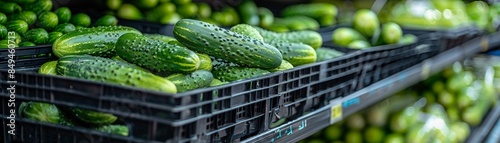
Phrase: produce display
{"type": "Point", "coordinates": [38, 23]}
{"type": "Point", "coordinates": [456, 99]}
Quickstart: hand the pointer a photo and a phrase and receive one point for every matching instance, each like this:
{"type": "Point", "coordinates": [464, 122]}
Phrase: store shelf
{"type": "Point", "coordinates": [313, 122]}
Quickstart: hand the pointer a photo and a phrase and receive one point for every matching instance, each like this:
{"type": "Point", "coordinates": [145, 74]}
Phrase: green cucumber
{"type": "Point", "coordinates": [38, 36]}
{"type": "Point", "coordinates": [81, 19]}
{"type": "Point", "coordinates": [194, 80]}
{"type": "Point", "coordinates": [99, 41]}
{"type": "Point", "coordinates": [344, 36]}
{"type": "Point", "coordinates": [156, 55]}
{"type": "Point", "coordinates": [359, 44]}
{"type": "Point", "coordinates": [10, 7]}
{"type": "Point", "coordinates": [117, 58]}
{"type": "Point", "coordinates": [155, 14]}
{"type": "Point", "coordinates": [313, 10]}
{"type": "Point", "coordinates": [229, 72]}
{"type": "Point", "coordinates": [366, 22]}
{"type": "Point", "coordinates": [247, 30]}
{"type": "Point", "coordinates": [93, 117]}
{"type": "Point", "coordinates": [3, 18]}
{"type": "Point", "coordinates": [18, 39]}
{"type": "Point", "coordinates": [295, 53]}
{"type": "Point", "coordinates": [170, 18]}
{"type": "Point", "coordinates": [4, 44]}
{"type": "Point", "coordinates": [224, 44]}
{"type": "Point", "coordinates": [391, 33]}
{"type": "Point", "coordinates": [324, 54]}
{"type": "Point", "coordinates": [204, 10]}
{"type": "Point", "coordinates": [111, 71]}
{"type": "Point", "coordinates": [293, 25]}
{"type": "Point", "coordinates": [114, 129]}
{"type": "Point", "coordinates": [310, 23]}
{"type": "Point", "coordinates": [113, 4]}
{"type": "Point", "coordinates": [205, 62]}
{"type": "Point", "coordinates": [145, 4]}
{"type": "Point", "coordinates": [26, 44]}
{"type": "Point", "coordinates": [53, 36]}
{"type": "Point", "coordinates": [39, 6]}
{"type": "Point", "coordinates": [311, 38]}
{"type": "Point", "coordinates": [278, 28]}
{"type": "Point", "coordinates": [284, 66]}
{"type": "Point", "coordinates": [43, 112]}
{"type": "Point", "coordinates": [188, 10]}
{"type": "Point", "coordinates": [3, 32]}
{"type": "Point", "coordinates": [47, 21]}
{"type": "Point", "coordinates": [65, 28]}
{"type": "Point", "coordinates": [248, 12]}
{"type": "Point", "coordinates": [64, 14]}
{"type": "Point", "coordinates": [18, 26]}
{"type": "Point", "coordinates": [160, 37]}
{"type": "Point", "coordinates": [266, 17]}
{"type": "Point", "coordinates": [28, 16]}
{"type": "Point", "coordinates": [129, 12]}
{"type": "Point", "coordinates": [107, 20]}
{"type": "Point", "coordinates": [217, 82]}
{"type": "Point", "coordinates": [48, 68]}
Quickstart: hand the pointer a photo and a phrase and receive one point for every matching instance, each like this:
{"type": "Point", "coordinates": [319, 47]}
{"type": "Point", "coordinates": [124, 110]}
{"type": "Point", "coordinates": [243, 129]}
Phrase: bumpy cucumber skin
{"type": "Point", "coordinates": [224, 44]}
{"type": "Point", "coordinates": [194, 80]}
{"type": "Point", "coordinates": [217, 82]}
{"type": "Point", "coordinates": [111, 71]}
{"type": "Point", "coordinates": [163, 38]}
{"type": "Point", "coordinates": [156, 55]}
{"type": "Point", "coordinates": [96, 41]}
{"type": "Point", "coordinates": [229, 72]}
{"type": "Point", "coordinates": [114, 129]}
{"type": "Point", "coordinates": [48, 68]}
{"type": "Point", "coordinates": [39, 6]}
{"type": "Point", "coordinates": [247, 30]}
{"type": "Point", "coordinates": [311, 38]}
{"type": "Point", "coordinates": [41, 111]}
{"type": "Point", "coordinates": [37, 36]}
{"type": "Point", "coordinates": [205, 62]}
{"type": "Point", "coordinates": [117, 58]}
{"type": "Point", "coordinates": [93, 117]}
{"type": "Point", "coordinates": [295, 53]}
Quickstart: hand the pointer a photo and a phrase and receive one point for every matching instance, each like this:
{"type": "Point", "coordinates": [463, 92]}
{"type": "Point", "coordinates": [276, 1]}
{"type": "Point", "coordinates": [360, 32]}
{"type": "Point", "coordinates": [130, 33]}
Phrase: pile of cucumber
{"type": "Point", "coordinates": [366, 32]}
{"type": "Point", "coordinates": [458, 97]}
{"type": "Point", "coordinates": [199, 55]}
{"type": "Point", "coordinates": [25, 23]}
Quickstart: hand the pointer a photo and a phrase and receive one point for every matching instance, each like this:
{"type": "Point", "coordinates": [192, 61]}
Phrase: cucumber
{"type": "Point", "coordinates": [4, 44]}
{"type": "Point", "coordinates": [129, 11]}
{"type": "Point", "coordinates": [284, 66]}
{"type": "Point", "coordinates": [229, 72]}
{"type": "Point", "coordinates": [93, 117]}
{"type": "Point", "coordinates": [366, 22]}
{"type": "Point", "coordinates": [28, 16]}
{"type": "Point", "coordinates": [40, 6]}
{"type": "Point", "coordinates": [145, 4]}
{"type": "Point", "coordinates": [344, 36]}
{"type": "Point", "coordinates": [111, 71]}
{"type": "Point", "coordinates": [17, 38]}
{"type": "Point", "coordinates": [53, 36]}
{"type": "Point", "coordinates": [99, 41]}
{"type": "Point", "coordinates": [107, 20]}
{"type": "Point", "coordinates": [311, 38]}
{"type": "Point", "coordinates": [313, 10]}
{"type": "Point", "coordinates": [295, 53]}
{"type": "Point", "coordinates": [81, 19]}
{"type": "Point", "coordinates": [205, 62]}
{"type": "Point", "coordinates": [26, 44]}
{"type": "Point", "coordinates": [3, 32]}
{"type": "Point", "coordinates": [204, 10]}
{"type": "Point", "coordinates": [160, 37]}
{"type": "Point", "coordinates": [40, 111]}
{"type": "Point", "coordinates": [391, 33]}
{"type": "Point", "coordinates": [293, 25]}
{"type": "Point", "coordinates": [324, 54]}
{"type": "Point", "coordinates": [224, 44]}
{"type": "Point", "coordinates": [63, 14]}
{"type": "Point", "coordinates": [117, 58]}
{"type": "Point", "coordinates": [47, 21]}
{"type": "Point", "coordinates": [310, 23]}
{"type": "Point", "coordinates": [248, 12]}
{"type": "Point", "coordinates": [114, 129]}
{"type": "Point", "coordinates": [170, 18]}
{"type": "Point", "coordinates": [38, 36]}
{"type": "Point", "coordinates": [359, 44]}
{"type": "Point", "coordinates": [194, 80]}
{"type": "Point", "coordinates": [156, 55]}
{"type": "Point", "coordinates": [188, 10]}
{"type": "Point", "coordinates": [3, 18]}
{"type": "Point", "coordinates": [217, 82]}
{"type": "Point", "coordinates": [408, 39]}
{"type": "Point", "coordinates": [266, 17]}
{"type": "Point", "coordinates": [159, 11]}
{"type": "Point", "coordinates": [113, 4]}
{"type": "Point", "coordinates": [18, 26]}
{"type": "Point", "coordinates": [65, 28]}
{"type": "Point", "coordinates": [9, 8]}
{"type": "Point", "coordinates": [247, 30]}
{"type": "Point", "coordinates": [48, 68]}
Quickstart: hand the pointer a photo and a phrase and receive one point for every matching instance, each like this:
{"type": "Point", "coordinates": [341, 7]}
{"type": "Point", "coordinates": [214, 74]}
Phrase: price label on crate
{"type": "Point", "coordinates": [484, 44]}
{"type": "Point", "coordinates": [335, 110]}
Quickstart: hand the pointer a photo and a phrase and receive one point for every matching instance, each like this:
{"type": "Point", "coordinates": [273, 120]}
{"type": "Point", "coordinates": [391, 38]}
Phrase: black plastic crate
{"type": "Point", "coordinates": [450, 38]}
{"type": "Point", "coordinates": [383, 62]}
{"type": "Point", "coordinates": [27, 58]}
